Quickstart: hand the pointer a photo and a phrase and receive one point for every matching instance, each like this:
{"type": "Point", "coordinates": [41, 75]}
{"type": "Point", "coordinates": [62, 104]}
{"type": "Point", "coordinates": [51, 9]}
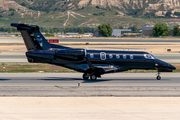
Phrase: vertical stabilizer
{"type": "Point", "coordinates": [32, 37]}
{"type": "Point", "coordinates": [27, 40]}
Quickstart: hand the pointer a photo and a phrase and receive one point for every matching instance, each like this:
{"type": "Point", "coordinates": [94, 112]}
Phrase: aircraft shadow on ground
{"type": "Point", "coordinates": [61, 79]}
{"type": "Point", "coordinates": [75, 79]}
{"type": "Point", "coordinates": [98, 80]}
{"type": "Point", "coordinates": [102, 80]}
{"type": "Point", "coordinates": [86, 81]}
{"type": "Point", "coordinates": [4, 79]}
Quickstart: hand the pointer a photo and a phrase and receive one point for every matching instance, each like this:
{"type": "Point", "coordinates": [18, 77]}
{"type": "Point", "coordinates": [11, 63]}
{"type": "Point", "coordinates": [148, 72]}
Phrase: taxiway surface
{"type": "Point", "coordinates": [100, 40]}
{"type": "Point", "coordinates": [66, 84]}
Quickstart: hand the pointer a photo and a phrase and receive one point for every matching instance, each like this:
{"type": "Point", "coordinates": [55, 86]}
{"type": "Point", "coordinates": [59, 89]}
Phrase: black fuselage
{"type": "Point", "coordinates": [93, 63]}
{"type": "Point", "coordinates": [122, 60]}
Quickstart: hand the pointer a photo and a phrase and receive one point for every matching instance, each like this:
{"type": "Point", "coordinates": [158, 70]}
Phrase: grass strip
{"type": "Point", "coordinates": [47, 68]}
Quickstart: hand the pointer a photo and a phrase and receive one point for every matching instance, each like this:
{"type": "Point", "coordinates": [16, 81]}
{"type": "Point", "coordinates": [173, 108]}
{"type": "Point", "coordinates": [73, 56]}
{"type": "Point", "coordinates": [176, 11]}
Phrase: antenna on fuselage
{"type": "Point", "coordinates": [87, 48]}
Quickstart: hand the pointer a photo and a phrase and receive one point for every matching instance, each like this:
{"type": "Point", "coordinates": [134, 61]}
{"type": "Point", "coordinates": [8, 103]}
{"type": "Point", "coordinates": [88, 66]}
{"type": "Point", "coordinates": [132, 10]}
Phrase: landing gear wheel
{"type": "Point", "coordinates": [93, 77]}
{"type": "Point", "coordinates": [85, 76]}
{"type": "Point", "coordinates": [158, 77]}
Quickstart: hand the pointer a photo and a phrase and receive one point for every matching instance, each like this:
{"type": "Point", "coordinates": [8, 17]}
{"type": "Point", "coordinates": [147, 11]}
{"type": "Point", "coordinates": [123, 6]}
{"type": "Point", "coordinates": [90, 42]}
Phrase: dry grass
{"type": "Point", "coordinates": [177, 65]}
{"type": "Point", "coordinates": [31, 67]}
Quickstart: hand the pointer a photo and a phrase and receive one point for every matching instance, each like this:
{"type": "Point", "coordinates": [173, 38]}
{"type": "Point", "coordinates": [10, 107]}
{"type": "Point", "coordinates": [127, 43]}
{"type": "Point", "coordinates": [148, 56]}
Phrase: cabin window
{"type": "Point", "coordinates": [117, 56]}
{"type": "Point", "coordinates": [124, 56]}
{"type": "Point", "coordinates": [110, 56]}
{"type": "Point", "coordinates": [131, 57]}
{"type": "Point", "coordinates": [103, 56]}
{"type": "Point", "coordinates": [91, 55]}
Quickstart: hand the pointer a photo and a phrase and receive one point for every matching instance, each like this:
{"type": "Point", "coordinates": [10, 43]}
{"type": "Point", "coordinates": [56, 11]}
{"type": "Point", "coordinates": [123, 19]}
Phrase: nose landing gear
{"type": "Point", "coordinates": [158, 76]}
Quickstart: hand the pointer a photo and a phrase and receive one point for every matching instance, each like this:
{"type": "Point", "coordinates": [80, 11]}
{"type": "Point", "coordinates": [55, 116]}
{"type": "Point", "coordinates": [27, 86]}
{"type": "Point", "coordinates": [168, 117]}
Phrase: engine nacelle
{"type": "Point", "coordinates": [37, 56]}
{"type": "Point", "coordinates": [71, 54]}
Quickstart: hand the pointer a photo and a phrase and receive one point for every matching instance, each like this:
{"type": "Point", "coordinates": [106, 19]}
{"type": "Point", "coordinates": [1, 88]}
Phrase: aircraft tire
{"type": "Point", "coordinates": [158, 77]}
{"type": "Point", "coordinates": [93, 77]}
{"type": "Point", "coordinates": [85, 76]}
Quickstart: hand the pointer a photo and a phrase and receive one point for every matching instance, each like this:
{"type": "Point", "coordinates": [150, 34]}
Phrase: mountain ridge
{"type": "Point", "coordinates": [90, 13]}
{"type": "Point", "coordinates": [125, 7]}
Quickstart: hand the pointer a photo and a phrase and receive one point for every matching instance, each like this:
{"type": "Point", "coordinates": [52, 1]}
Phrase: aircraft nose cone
{"type": "Point", "coordinates": [165, 65]}
{"type": "Point", "coordinates": [172, 67]}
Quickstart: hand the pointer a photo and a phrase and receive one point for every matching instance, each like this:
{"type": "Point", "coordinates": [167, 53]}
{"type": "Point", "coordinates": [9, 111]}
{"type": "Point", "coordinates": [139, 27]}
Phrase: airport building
{"type": "Point", "coordinates": [116, 32]}
{"type": "Point", "coordinates": [96, 33]}
{"type": "Point", "coordinates": [147, 31]}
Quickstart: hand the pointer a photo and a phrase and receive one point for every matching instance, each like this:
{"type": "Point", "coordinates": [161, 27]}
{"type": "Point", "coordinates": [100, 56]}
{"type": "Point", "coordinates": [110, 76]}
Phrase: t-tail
{"type": "Point", "coordinates": [32, 37]}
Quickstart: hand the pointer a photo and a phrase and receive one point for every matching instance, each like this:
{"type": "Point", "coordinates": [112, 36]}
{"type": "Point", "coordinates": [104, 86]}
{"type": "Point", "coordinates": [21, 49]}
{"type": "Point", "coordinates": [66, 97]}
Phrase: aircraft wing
{"type": "Point", "coordinates": [111, 69]}
{"type": "Point", "coordinates": [104, 68]}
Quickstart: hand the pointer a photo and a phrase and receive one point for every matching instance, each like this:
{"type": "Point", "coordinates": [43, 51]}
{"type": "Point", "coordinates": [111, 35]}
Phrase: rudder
{"type": "Point", "coordinates": [32, 37]}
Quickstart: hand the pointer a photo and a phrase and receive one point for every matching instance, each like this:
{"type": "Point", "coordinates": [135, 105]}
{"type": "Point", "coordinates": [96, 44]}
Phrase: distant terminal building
{"type": "Point", "coordinates": [147, 31]}
{"type": "Point", "coordinates": [96, 33]}
{"type": "Point", "coordinates": [116, 32]}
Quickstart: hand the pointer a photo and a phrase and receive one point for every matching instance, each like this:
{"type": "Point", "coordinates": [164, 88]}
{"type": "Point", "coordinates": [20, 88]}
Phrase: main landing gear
{"type": "Point", "coordinates": [93, 77]}
{"type": "Point", "coordinates": [87, 75]}
{"type": "Point", "coordinates": [158, 76]}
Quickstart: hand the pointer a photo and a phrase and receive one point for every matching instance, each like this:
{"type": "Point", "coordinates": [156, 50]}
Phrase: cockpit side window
{"type": "Point", "coordinates": [149, 56]}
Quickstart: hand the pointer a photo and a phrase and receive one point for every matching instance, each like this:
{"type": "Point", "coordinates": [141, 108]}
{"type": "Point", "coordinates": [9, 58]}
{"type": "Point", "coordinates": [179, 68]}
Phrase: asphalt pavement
{"type": "Point", "coordinates": [66, 85]}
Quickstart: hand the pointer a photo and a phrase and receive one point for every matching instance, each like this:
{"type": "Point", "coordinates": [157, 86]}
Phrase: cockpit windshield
{"type": "Point", "coordinates": [149, 56]}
